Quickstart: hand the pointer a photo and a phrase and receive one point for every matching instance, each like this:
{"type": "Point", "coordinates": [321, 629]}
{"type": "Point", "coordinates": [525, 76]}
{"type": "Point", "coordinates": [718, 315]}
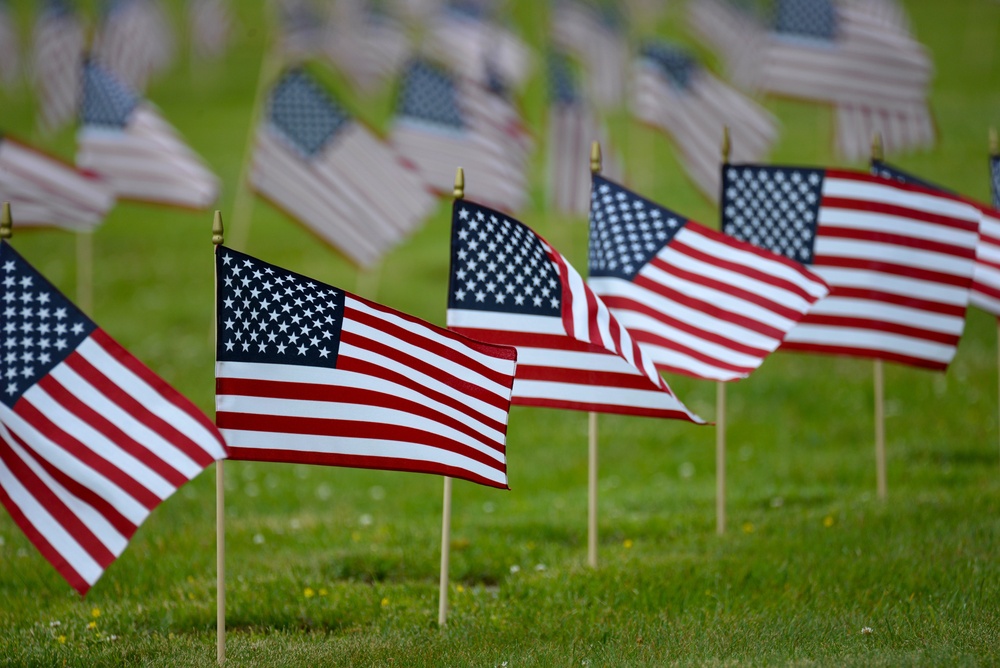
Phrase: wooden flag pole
{"type": "Point", "coordinates": [720, 405]}
{"type": "Point", "coordinates": [995, 152]}
{"type": "Point", "coordinates": [85, 271]}
{"type": "Point", "coordinates": [6, 222]}
{"type": "Point", "coordinates": [458, 193]}
{"type": "Point", "coordinates": [595, 168]}
{"type": "Point", "coordinates": [220, 500]}
{"type": "Point", "coordinates": [880, 475]}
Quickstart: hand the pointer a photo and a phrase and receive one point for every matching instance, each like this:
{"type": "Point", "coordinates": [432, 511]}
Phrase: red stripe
{"type": "Point", "coordinates": [853, 351]}
{"type": "Point", "coordinates": [88, 457]}
{"type": "Point", "coordinates": [594, 407]}
{"type": "Point", "coordinates": [881, 326]}
{"type": "Point", "coordinates": [585, 377]}
{"type": "Point", "coordinates": [832, 231]}
{"type": "Point", "coordinates": [530, 340]}
{"type": "Point", "coordinates": [891, 269]}
{"type": "Point", "coordinates": [901, 300]}
{"type": "Point", "coordinates": [648, 338]}
{"type": "Point", "coordinates": [59, 511]}
{"type": "Point", "coordinates": [354, 396]}
{"type": "Point", "coordinates": [103, 426]}
{"type": "Point", "coordinates": [169, 395]}
{"type": "Point", "coordinates": [358, 461]}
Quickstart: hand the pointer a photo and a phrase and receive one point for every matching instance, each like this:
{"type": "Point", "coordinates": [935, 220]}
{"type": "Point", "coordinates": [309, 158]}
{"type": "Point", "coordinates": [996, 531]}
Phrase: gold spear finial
{"type": "Point", "coordinates": [217, 229]}
{"type": "Point", "coordinates": [994, 145]}
{"type": "Point", "coordinates": [595, 157]}
{"type": "Point", "coordinates": [727, 145]}
{"type": "Point", "coordinates": [459, 191]}
{"type": "Point", "coordinates": [6, 222]}
{"type": "Point", "coordinates": [877, 151]}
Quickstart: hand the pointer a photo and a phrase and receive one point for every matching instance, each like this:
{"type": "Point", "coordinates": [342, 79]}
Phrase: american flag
{"type": "Point", "coordinates": [433, 131]}
{"type": "Point", "coordinates": [45, 191]}
{"type": "Point", "coordinates": [366, 43]}
{"type": "Point", "coordinates": [314, 161]}
{"type": "Point", "coordinates": [125, 140]}
{"type": "Point", "coordinates": [856, 55]}
{"type": "Point", "coordinates": [986, 275]}
{"type": "Point", "coordinates": [91, 441]}
{"type": "Point", "coordinates": [596, 34]}
{"type": "Point", "coordinates": [995, 180]}
{"type": "Point", "coordinates": [57, 63]}
{"type": "Point", "coordinates": [508, 286]}
{"type": "Point", "coordinates": [312, 374]}
{"type": "Point", "coordinates": [211, 25]}
{"type": "Point", "coordinates": [674, 93]}
{"type": "Point", "coordinates": [898, 259]}
{"type": "Point", "coordinates": [573, 127]}
{"type": "Point", "coordinates": [10, 47]}
{"type": "Point", "coordinates": [699, 303]}
{"type": "Point", "coordinates": [302, 29]}
{"type": "Point", "coordinates": [134, 40]}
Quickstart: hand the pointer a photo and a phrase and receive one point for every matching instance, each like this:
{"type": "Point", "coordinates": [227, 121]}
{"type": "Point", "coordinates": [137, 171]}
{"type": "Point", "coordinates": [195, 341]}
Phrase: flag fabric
{"type": "Point", "coordinates": [986, 275]}
{"type": "Point", "coordinates": [48, 192]}
{"type": "Point", "coordinates": [366, 43]}
{"type": "Point", "coordinates": [302, 29]}
{"type": "Point", "coordinates": [674, 93]}
{"type": "Point", "coordinates": [508, 286]}
{"type": "Point", "coordinates": [328, 171]}
{"type": "Point", "coordinates": [124, 139]}
{"type": "Point", "coordinates": [856, 55]}
{"type": "Point", "coordinates": [435, 130]}
{"type": "Point", "coordinates": [57, 63]}
{"type": "Point", "coordinates": [995, 180]}
{"type": "Point", "coordinates": [899, 259]}
{"type": "Point", "coordinates": [134, 41]}
{"type": "Point", "coordinates": [91, 441]}
{"type": "Point", "coordinates": [308, 373]}
{"type": "Point", "coordinates": [698, 302]}
{"type": "Point", "coordinates": [595, 34]}
{"type": "Point", "coordinates": [10, 48]}
{"type": "Point", "coordinates": [211, 24]}
{"type": "Point", "coordinates": [573, 126]}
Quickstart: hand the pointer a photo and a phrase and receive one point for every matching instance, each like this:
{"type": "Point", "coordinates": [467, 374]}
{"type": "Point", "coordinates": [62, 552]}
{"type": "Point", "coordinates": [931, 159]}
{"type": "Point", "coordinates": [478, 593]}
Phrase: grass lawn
{"type": "Point", "coordinates": [340, 566]}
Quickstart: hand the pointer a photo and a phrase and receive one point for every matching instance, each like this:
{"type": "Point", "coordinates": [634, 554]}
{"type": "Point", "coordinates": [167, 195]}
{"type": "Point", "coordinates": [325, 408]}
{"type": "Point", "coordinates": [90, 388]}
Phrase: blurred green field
{"type": "Point", "coordinates": [333, 566]}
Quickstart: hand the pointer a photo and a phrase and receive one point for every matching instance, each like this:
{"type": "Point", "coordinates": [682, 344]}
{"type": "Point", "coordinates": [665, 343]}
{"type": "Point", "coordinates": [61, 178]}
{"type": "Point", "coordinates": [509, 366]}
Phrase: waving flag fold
{"type": "Point", "coordinates": [57, 63]}
{"type": "Point", "coordinates": [508, 286]}
{"type": "Point", "coordinates": [312, 374]}
{"type": "Point", "coordinates": [698, 302]}
{"type": "Point", "coordinates": [91, 441]}
{"type": "Point", "coordinates": [134, 40]}
{"type": "Point", "coordinates": [899, 259]}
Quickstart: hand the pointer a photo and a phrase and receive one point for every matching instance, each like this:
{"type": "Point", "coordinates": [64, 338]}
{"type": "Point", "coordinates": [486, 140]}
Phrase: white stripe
{"type": "Point", "coordinates": [597, 394]}
{"type": "Point", "coordinates": [365, 447]}
{"type": "Point", "coordinates": [890, 193]}
{"type": "Point", "coordinates": [852, 337]}
{"type": "Point", "coordinates": [505, 322]}
{"type": "Point", "coordinates": [893, 313]}
{"type": "Point", "coordinates": [902, 225]}
{"type": "Point", "coordinates": [893, 284]}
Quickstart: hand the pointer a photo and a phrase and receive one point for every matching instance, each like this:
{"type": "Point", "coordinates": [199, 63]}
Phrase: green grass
{"type": "Point", "coordinates": [811, 556]}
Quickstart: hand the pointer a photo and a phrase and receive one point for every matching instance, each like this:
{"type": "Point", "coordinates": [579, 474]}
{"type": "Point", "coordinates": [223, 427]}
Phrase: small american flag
{"type": "Point", "coordinates": [597, 36]}
{"type": "Point", "coordinates": [312, 374]}
{"type": "Point", "coordinates": [45, 191]}
{"type": "Point", "coordinates": [573, 127]}
{"type": "Point", "coordinates": [211, 25]}
{"type": "Point", "coordinates": [91, 441]}
{"type": "Point", "coordinates": [314, 161]}
{"type": "Point", "coordinates": [899, 259]}
{"type": "Point", "coordinates": [699, 303]}
{"type": "Point", "coordinates": [674, 93]}
{"type": "Point", "coordinates": [366, 43]}
{"type": "Point", "coordinates": [434, 132]}
{"type": "Point", "coordinates": [472, 42]}
{"type": "Point", "coordinates": [508, 286]}
{"type": "Point", "coordinates": [134, 40]}
{"type": "Point", "coordinates": [57, 63]}
{"type": "Point", "coordinates": [986, 276]}
{"type": "Point", "coordinates": [125, 140]}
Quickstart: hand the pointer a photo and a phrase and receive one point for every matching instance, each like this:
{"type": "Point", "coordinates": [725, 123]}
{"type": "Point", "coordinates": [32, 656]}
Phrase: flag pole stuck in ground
{"type": "Point", "coordinates": [595, 168]}
{"type": "Point", "coordinates": [459, 193]}
{"type": "Point", "coordinates": [995, 156]}
{"type": "Point", "coordinates": [720, 401]}
{"type": "Point", "coordinates": [218, 237]}
{"type": "Point", "coordinates": [879, 372]}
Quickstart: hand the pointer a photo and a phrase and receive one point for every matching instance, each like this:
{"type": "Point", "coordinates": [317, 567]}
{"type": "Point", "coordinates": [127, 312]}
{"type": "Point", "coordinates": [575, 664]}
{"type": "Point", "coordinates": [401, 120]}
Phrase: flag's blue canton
{"type": "Point", "coordinates": [429, 95]}
{"type": "Point", "coordinates": [995, 181]}
{"type": "Point", "coordinates": [267, 314]}
{"type": "Point", "coordinates": [106, 100]}
{"type": "Point", "coordinates": [40, 327]}
{"type": "Point", "coordinates": [498, 264]}
{"type": "Point", "coordinates": [775, 208]}
{"type": "Point", "coordinates": [626, 230]}
{"type": "Point", "coordinates": [673, 62]}
{"type": "Point", "coordinates": [304, 113]}
{"type": "Point", "coordinates": [806, 18]}
{"type": "Point", "coordinates": [563, 87]}
{"type": "Point", "coordinates": [887, 171]}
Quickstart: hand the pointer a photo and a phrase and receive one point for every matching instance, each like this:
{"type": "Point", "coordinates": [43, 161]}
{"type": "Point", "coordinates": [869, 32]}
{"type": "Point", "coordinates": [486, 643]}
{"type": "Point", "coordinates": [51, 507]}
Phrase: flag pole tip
{"type": "Point", "coordinates": [878, 152]}
{"type": "Point", "coordinates": [217, 229]}
{"type": "Point", "coordinates": [595, 157]}
{"type": "Point", "coordinates": [459, 191]}
{"type": "Point", "coordinates": [6, 222]}
{"type": "Point", "coordinates": [727, 145]}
